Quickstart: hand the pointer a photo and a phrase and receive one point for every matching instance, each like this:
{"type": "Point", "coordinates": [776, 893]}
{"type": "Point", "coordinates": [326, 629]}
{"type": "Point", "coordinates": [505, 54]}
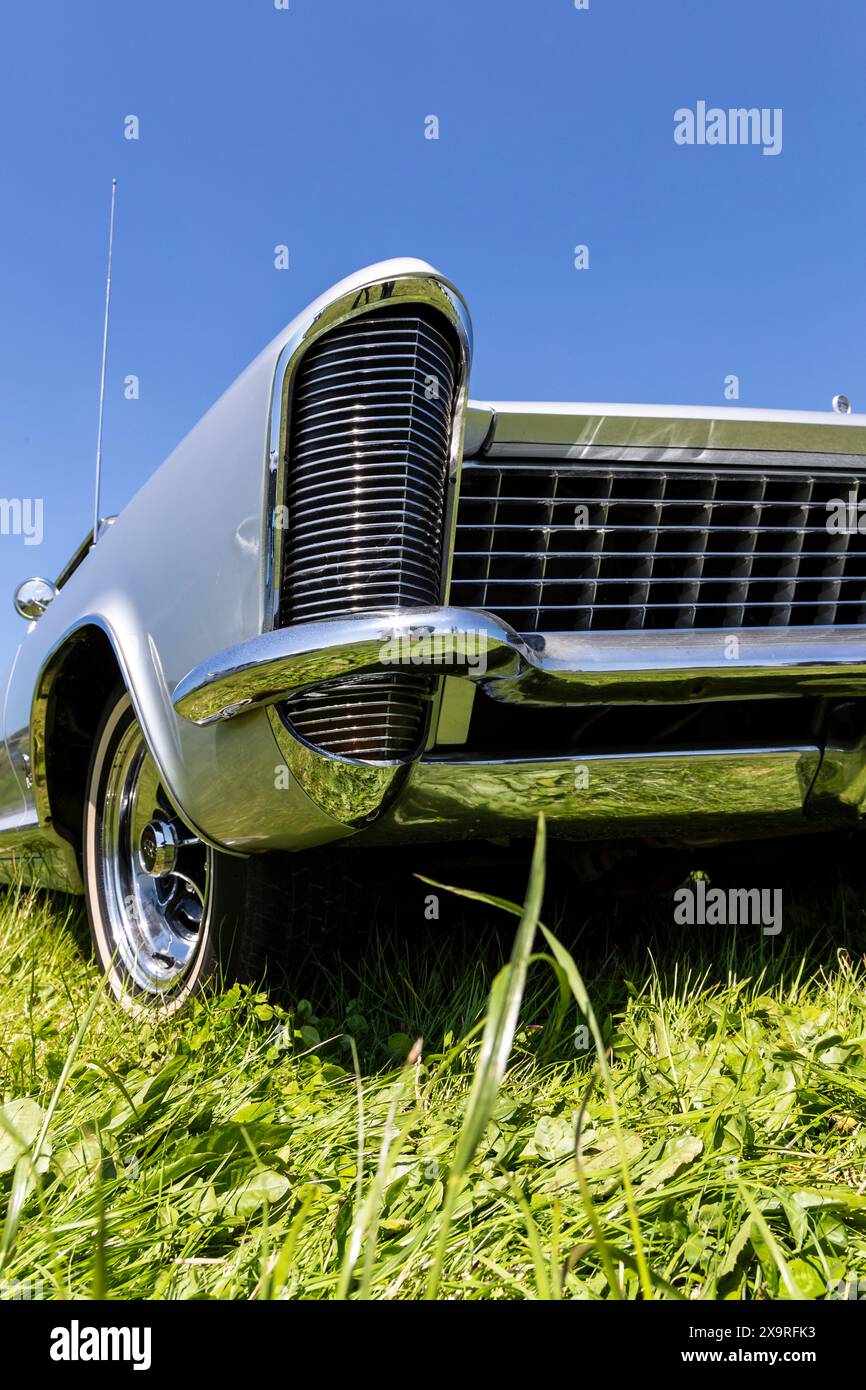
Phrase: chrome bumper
{"type": "Point", "coordinates": [699, 795]}
{"type": "Point", "coordinates": [580, 668]}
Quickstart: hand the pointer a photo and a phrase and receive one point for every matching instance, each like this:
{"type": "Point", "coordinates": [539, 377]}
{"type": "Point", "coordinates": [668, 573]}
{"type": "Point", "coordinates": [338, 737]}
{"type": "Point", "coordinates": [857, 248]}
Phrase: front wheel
{"type": "Point", "coordinates": [169, 915]}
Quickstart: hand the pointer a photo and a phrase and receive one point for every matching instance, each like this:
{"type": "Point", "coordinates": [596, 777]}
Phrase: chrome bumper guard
{"type": "Point", "coordinates": [575, 668]}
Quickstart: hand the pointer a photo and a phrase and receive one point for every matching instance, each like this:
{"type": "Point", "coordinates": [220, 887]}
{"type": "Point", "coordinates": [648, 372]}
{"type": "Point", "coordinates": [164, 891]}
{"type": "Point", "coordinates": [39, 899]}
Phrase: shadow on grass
{"type": "Point", "coordinates": [423, 958]}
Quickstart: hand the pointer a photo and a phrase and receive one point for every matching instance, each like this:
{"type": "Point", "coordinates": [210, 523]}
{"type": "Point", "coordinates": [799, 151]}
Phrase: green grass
{"type": "Point", "coordinates": [715, 1083]}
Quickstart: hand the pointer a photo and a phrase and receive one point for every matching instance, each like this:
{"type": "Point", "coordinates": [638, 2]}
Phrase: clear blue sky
{"type": "Point", "coordinates": [306, 127]}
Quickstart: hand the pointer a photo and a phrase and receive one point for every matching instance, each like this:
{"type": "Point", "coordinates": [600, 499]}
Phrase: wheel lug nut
{"type": "Point", "coordinates": [157, 848]}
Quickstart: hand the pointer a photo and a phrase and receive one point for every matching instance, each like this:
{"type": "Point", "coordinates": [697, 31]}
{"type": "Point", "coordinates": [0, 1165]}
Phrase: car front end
{"type": "Point", "coordinates": [640, 621]}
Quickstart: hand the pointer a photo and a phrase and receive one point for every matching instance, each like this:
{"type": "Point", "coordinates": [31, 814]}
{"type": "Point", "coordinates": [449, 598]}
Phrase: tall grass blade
{"type": "Point", "coordinates": [496, 1040]}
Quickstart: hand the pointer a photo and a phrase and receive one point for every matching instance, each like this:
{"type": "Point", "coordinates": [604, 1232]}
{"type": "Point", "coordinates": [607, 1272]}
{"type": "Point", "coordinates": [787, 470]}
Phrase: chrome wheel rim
{"type": "Point", "coordinates": [156, 874]}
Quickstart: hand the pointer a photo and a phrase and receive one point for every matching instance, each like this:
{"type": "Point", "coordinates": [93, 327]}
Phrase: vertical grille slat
{"type": "Point", "coordinates": [365, 493]}
{"type": "Point", "coordinates": [663, 547]}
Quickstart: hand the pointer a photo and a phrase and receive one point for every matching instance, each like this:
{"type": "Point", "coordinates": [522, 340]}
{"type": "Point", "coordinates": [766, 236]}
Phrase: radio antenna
{"type": "Point", "coordinates": [104, 360]}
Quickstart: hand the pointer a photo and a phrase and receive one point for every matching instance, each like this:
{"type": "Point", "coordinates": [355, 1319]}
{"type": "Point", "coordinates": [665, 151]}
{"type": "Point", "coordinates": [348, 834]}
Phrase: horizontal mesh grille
{"type": "Point", "coordinates": [365, 492]}
{"type": "Point", "coordinates": [554, 547]}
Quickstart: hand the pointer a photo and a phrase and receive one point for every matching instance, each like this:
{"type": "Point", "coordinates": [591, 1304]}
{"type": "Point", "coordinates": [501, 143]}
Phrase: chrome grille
{"type": "Point", "coordinates": [657, 547]}
{"type": "Point", "coordinates": [380, 717]}
{"type": "Point", "coordinates": [365, 491]}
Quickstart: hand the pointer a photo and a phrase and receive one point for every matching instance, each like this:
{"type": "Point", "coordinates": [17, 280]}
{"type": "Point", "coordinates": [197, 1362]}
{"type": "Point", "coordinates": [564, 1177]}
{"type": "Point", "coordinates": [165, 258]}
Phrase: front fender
{"type": "Point", "coordinates": [181, 574]}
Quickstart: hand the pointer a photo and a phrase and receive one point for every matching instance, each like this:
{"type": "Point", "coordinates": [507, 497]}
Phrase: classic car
{"type": "Point", "coordinates": [355, 608]}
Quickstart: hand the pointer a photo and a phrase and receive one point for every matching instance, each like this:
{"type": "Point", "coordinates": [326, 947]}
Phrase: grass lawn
{"type": "Point", "coordinates": [715, 1080]}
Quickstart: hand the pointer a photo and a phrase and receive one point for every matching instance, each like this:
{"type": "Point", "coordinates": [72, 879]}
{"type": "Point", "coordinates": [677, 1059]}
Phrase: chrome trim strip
{"type": "Point", "coordinates": [409, 286]}
{"type": "Point", "coordinates": [705, 457]}
{"type": "Point", "coordinates": [480, 422]}
{"type": "Point", "coordinates": [13, 826]}
{"type": "Point", "coordinates": [566, 427]}
{"type": "Point", "coordinates": [654, 667]}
